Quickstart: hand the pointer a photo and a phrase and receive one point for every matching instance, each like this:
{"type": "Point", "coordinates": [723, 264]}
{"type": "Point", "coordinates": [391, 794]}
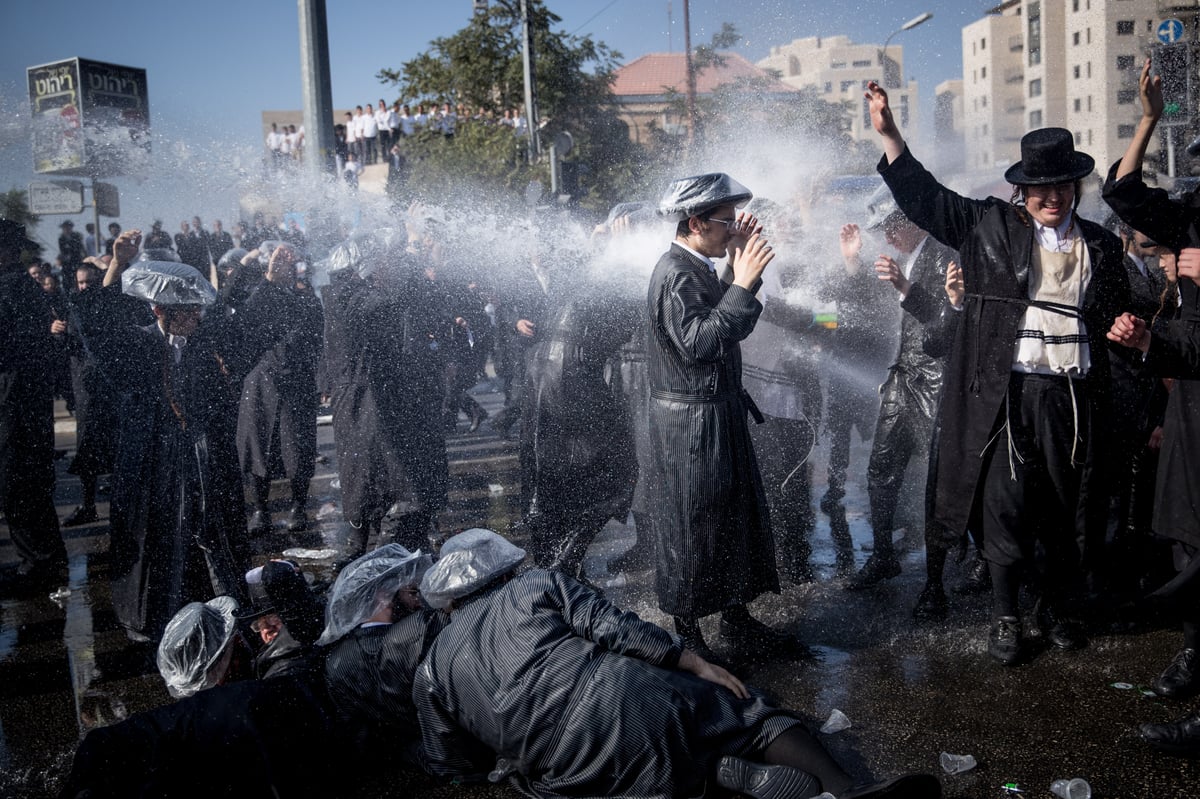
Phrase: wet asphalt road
{"type": "Point", "coordinates": [911, 690]}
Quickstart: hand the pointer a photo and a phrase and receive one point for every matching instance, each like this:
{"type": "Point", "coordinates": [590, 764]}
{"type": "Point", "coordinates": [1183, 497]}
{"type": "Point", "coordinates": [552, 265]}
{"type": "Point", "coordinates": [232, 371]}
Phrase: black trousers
{"type": "Point", "coordinates": [783, 448]}
{"type": "Point", "coordinates": [901, 432]}
{"type": "Point", "coordinates": [1032, 490]}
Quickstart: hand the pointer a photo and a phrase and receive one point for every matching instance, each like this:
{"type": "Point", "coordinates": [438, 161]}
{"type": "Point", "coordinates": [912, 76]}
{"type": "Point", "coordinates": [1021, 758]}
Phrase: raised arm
{"type": "Point", "coordinates": [883, 121]}
{"type": "Point", "coordinates": [1150, 90]}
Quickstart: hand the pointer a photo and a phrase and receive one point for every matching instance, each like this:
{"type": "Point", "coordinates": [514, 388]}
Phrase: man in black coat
{"type": "Point", "coordinates": [909, 396]}
{"type": "Point", "coordinates": [715, 551]}
{"type": "Point", "coordinates": [1026, 406]}
{"type": "Point", "coordinates": [27, 415]}
{"type": "Point", "coordinates": [277, 419]}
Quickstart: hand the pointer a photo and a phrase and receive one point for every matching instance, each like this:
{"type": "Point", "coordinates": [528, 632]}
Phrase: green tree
{"type": "Point", "coordinates": [481, 67]}
{"type": "Point", "coordinates": [14, 206]}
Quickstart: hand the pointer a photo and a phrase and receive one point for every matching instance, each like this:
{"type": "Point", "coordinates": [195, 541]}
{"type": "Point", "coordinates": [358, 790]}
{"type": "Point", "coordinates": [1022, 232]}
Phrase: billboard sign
{"type": "Point", "coordinates": [89, 118]}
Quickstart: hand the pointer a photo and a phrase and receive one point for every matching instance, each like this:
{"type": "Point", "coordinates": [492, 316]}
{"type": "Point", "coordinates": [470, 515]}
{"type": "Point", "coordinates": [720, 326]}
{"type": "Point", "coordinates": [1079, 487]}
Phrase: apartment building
{"type": "Point", "coordinates": [839, 69]}
{"type": "Point", "coordinates": [1064, 63]}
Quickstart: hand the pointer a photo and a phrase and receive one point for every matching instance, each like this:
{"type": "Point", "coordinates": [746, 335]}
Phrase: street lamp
{"type": "Point", "coordinates": [920, 19]}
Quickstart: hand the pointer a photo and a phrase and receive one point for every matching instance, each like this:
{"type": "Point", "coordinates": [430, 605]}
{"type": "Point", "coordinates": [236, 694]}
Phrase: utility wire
{"type": "Point", "coordinates": [593, 16]}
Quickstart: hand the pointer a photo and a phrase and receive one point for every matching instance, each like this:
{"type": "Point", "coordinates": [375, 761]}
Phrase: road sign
{"type": "Point", "coordinates": [56, 197]}
{"type": "Point", "coordinates": [1170, 31]}
{"type": "Point", "coordinates": [107, 199]}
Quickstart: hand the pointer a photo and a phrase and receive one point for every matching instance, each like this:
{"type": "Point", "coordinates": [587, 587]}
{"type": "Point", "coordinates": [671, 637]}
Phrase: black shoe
{"type": "Point", "coordinates": [931, 604]}
{"type": "Point", "coordinates": [297, 520]}
{"type": "Point", "coordinates": [749, 636]}
{"type": "Point", "coordinates": [1178, 680]}
{"type": "Point", "coordinates": [1060, 631]}
{"type": "Point", "coordinates": [478, 414]}
{"type": "Point", "coordinates": [761, 781]}
{"type": "Point", "coordinates": [84, 514]}
{"type": "Point", "coordinates": [877, 569]}
{"type": "Point", "coordinates": [910, 786]}
{"type": "Point", "coordinates": [1180, 737]}
{"type": "Point", "coordinates": [978, 578]}
{"type": "Point", "coordinates": [1004, 641]}
{"type": "Point", "coordinates": [260, 523]}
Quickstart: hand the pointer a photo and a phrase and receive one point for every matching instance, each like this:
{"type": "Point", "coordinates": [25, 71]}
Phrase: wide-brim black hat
{"type": "Point", "coordinates": [1048, 156]}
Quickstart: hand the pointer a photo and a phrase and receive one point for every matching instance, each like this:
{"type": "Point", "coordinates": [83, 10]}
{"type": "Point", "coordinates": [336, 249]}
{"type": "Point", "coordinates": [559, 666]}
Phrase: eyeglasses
{"type": "Point", "coordinates": [730, 224]}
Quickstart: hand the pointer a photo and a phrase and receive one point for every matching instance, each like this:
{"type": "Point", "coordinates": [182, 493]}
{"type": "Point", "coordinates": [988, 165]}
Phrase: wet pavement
{"type": "Point", "coordinates": [911, 690]}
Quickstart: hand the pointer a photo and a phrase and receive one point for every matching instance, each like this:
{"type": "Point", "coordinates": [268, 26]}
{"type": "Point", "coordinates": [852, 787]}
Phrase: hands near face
{"type": "Point", "coordinates": [887, 269]}
{"type": "Point", "coordinates": [749, 252]}
{"type": "Point", "coordinates": [850, 240]}
{"type": "Point", "coordinates": [281, 269]}
{"type": "Point", "coordinates": [126, 246]}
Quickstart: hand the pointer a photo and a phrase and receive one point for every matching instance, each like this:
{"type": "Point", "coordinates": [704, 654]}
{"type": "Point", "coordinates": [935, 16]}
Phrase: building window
{"type": "Point", "coordinates": [1089, 69]}
{"type": "Point", "coordinates": [828, 87]}
{"type": "Point", "coordinates": [1035, 87]}
{"type": "Point", "coordinates": [983, 101]}
{"type": "Point", "coordinates": [1124, 27]}
{"type": "Point", "coordinates": [866, 63]}
{"type": "Point", "coordinates": [1075, 38]}
{"type": "Point", "coordinates": [983, 72]}
{"type": "Point", "coordinates": [1126, 96]}
{"type": "Point", "coordinates": [837, 65]}
{"type": "Point", "coordinates": [985, 129]}
{"type": "Point", "coordinates": [1074, 5]}
{"type": "Point", "coordinates": [1089, 104]}
{"type": "Point", "coordinates": [1078, 137]}
{"type": "Point", "coordinates": [1034, 39]}
{"type": "Point", "coordinates": [1035, 119]}
{"type": "Point", "coordinates": [1089, 137]}
{"type": "Point", "coordinates": [847, 85]}
{"type": "Point", "coordinates": [983, 43]}
{"type": "Point", "coordinates": [1089, 35]}
{"type": "Point", "coordinates": [1075, 71]}
{"type": "Point", "coordinates": [1125, 62]}
{"type": "Point", "coordinates": [1078, 105]}
{"type": "Point", "coordinates": [1125, 131]}
{"type": "Point", "coordinates": [904, 110]}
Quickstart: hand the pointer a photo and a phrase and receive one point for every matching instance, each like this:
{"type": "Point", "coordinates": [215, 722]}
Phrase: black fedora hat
{"type": "Point", "coordinates": [1048, 156]}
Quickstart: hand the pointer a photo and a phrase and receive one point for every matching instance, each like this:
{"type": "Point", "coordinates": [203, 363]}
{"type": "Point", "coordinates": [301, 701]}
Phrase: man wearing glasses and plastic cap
{"type": "Point", "coordinates": [714, 548]}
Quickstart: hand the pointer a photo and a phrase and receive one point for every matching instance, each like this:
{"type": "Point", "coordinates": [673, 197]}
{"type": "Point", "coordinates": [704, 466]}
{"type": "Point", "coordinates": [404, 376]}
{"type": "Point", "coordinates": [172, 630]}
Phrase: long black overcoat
{"type": "Point", "coordinates": [580, 698]}
{"type": "Point", "coordinates": [714, 546]}
{"type": "Point", "coordinates": [178, 526]}
{"type": "Point", "coordinates": [995, 244]}
{"type": "Point", "coordinates": [277, 419]}
{"type": "Point", "coordinates": [1175, 225]}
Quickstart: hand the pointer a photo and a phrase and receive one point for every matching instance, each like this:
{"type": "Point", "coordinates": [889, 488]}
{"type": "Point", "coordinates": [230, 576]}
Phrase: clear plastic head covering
{"type": "Point", "coordinates": [194, 641]}
{"type": "Point", "coordinates": [167, 283]}
{"type": "Point", "coordinates": [687, 197]}
{"type": "Point", "coordinates": [232, 259]}
{"type": "Point", "coordinates": [881, 205]}
{"type": "Point", "coordinates": [366, 251]}
{"type": "Point", "coordinates": [159, 254]}
{"type": "Point", "coordinates": [374, 577]}
{"type": "Point", "coordinates": [468, 562]}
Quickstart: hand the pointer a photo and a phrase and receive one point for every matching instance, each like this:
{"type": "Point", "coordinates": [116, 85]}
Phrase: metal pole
{"type": "Point", "coordinates": [317, 88]}
{"type": "Point", "coordinates": [96, 220]}
{"type": "Point", "coordinates": [531, 116]}
{"type": "Point", "coordinates": [693, 121]}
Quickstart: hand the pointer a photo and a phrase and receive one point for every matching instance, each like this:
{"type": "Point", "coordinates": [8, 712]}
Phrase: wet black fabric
{"type": "Point", "coordinates": [580, 698]}
{"type": "Point", "coordinates": [251, 738]}
{"type": "Point", "coordinates": [580, 469]}
{"type": "Point", "coordinates": [27, 418]}
{"type": "Point", "coordinates": [908, 399]}
{"type": "Point", "coordinates": [1174, 352]}
{"type": "Point", "coordinates": [714, 546]}
{"type": "Point", "coordinates": [178, 529]}
{"type": "Point", "coordinates": [385, 374]}
{"type": "Point", "coordinates": [370, 676]}
{"type": "Point", "coordinates": [995, 244]}
{"type": "Point", "coordinates": [277, 418]}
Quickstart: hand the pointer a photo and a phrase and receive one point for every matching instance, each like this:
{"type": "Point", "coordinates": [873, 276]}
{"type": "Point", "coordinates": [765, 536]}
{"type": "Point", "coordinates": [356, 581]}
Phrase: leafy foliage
{"type": "Point", "coordinates": [14, 206]}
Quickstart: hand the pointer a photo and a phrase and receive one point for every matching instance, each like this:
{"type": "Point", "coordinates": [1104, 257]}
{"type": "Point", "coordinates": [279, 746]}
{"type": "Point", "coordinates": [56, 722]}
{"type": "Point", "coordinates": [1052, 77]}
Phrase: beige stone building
{"type": "Point", "coordinates": [839, 69]}
{"type": "Point", "coordinates": [1065, 63]}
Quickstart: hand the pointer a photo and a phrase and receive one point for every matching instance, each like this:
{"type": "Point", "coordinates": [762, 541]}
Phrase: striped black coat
{"type": "Point", "coordinates": [580, 698]}
{"type": "Point", "coordinates": [712, 529]}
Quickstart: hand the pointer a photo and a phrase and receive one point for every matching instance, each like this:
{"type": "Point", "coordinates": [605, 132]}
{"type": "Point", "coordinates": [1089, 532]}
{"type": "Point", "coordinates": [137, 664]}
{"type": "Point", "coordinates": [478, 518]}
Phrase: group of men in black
{"type": "Point", "coordinates": [1018, 337]}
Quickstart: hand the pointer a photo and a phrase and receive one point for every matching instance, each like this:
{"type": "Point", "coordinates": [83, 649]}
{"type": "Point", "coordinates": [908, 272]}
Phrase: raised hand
{"type": "Point", "coordinates": [749, 262]}
{"type": "Point", "coordinates": [887, 269]}
{"type": "Point", "coordinates": [956, 287]}
{"type": "Point", "coordinates": [1150, 90]}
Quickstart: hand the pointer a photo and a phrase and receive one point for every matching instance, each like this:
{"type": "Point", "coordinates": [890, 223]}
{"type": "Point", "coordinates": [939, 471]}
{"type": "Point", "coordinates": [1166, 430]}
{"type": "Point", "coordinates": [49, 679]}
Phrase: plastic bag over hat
{"type": "Point", "coordinates": [364, 252]}
{"type": "Point", "coordinates": [692, 196]}
{"type": "Point", "coordinates": [355, 594]}
{"type": "Point", "coordinates": [468, 562]}
{"type": "Point", "coordinates": [193, 642]}
{"type": "Point", "coordinates": [159, 254]}
{"type": "Point", "coordinates": [232, 259]}
{"type": "Point", "coordinates": [880, 206]}
{"type": "Point", "coordinates": [167, 283]}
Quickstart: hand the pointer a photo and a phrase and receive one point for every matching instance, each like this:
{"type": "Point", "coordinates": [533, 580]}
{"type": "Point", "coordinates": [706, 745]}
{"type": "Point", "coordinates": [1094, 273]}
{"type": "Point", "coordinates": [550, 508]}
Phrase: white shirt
{"type": "Point", "coordinates": [350, 132]}
{"type": "Point", "coordinates": [406, 124]}
{"type": "Point", "coordinates": [274, 140]}
{"type": "Point", "coordinates": [383, 118]}
{"type": "Point", "coordinates": [907, 266]}
{"type": "Point", "coordinates": [712, 267]}
{"type": "Point", "coordinates": [1055, 239]}
{"type": "Point", "coordinates": [370, 128]}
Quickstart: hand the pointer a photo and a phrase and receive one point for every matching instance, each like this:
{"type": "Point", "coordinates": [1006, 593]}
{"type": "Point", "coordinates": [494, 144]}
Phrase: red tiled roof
{"type": "Point", "coordinates": [649, 75]}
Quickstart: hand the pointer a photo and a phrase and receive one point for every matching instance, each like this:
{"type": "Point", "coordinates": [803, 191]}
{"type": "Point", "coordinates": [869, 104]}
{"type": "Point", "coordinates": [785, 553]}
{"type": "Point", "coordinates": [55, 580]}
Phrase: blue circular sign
{"type": "Point", "coordinates": [1170, 31]}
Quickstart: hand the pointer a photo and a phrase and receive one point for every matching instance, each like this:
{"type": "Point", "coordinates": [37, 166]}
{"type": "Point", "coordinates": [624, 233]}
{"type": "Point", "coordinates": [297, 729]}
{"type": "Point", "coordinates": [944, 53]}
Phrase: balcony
{"type": "Point", "coordinates": [1014, 75]}
{"type": "Point", "coordinates": [1016, 44]}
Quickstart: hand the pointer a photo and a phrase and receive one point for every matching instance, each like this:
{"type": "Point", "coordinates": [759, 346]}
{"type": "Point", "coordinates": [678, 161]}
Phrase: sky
{"type": "Point", "coordinates": [214, 66]}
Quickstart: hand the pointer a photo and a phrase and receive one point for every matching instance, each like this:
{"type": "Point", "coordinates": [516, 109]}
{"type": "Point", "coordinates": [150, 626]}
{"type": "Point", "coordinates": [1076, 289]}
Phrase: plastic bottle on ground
{"type": "Point", "coordinates": [1076, 788]}
{"type": "Point", "coordinates": [957, 764]}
